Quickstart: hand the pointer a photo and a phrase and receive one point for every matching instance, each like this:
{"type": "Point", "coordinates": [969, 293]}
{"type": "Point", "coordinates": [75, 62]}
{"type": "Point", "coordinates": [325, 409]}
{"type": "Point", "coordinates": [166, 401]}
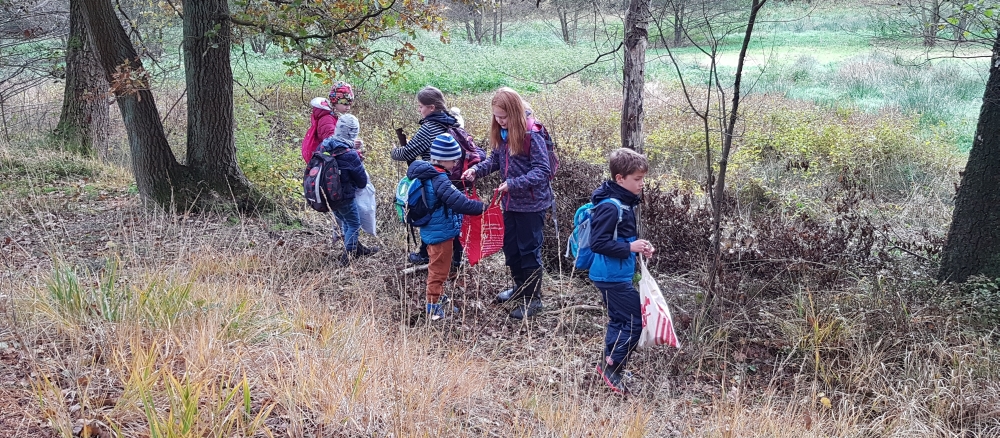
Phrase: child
{"type": "Point", "coordinates": [325, 113]}
{"type": "Point", "coordinates": [523, 160]}
{"type": "Point", "coordinates": [434, 120]}
{"type": "Point", "coordinates": [446, 219]}
{"type": "Point", "coordinates": [352, 177]}
{"type": "Point", "coordinates": [614, 261]}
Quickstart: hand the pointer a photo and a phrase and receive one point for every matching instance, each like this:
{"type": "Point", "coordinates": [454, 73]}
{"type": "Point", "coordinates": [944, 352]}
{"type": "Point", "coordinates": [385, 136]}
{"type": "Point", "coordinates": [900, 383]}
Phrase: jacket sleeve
{"type": "Point", "coordinates": [490, 164]}
{"type": "Point", "coordinates": [602, 230]}
{"type": "Point", "coordinates": [538, 175]}
{"type": "Point", "coordinates": [326, 126]}
{"type": "Point", "coordinates": [454, 199]}
{"type": "Point", "coordinates": [356, 170]}
{"type": "Point", "coordinates": [417, 146]}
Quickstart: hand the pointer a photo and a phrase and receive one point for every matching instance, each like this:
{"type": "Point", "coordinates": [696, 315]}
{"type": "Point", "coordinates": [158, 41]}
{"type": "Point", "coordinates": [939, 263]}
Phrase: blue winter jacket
{"type": "Point", "coordinates": [352, 171]}
{"type": "Point", "coordinates": [614, 262]}
{"type": "Point", "coordinates": [451, 204]}
{"type": "Point", "coordinates": [527, 176]}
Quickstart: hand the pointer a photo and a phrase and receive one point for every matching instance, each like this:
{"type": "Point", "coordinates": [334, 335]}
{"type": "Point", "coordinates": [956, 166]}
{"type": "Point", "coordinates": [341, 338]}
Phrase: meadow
{"type": "Point", "coordinates": [125, 321]}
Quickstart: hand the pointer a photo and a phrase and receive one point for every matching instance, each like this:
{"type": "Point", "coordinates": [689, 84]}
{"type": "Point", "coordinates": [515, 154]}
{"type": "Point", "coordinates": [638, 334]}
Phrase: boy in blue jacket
{"type": "Point", "coordinates": [352, 177]}
{"type": "Point", "coordinates": [446, 218]}
{"type": "Point", "coordinates": [614, 260]}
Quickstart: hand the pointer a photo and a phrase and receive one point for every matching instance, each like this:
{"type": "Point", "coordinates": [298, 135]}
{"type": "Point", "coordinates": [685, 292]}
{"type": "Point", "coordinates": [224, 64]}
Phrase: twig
{"type": "Point", "coordinates": [575, 308]}
{"type": "Point", "coordinates": [413, 269]}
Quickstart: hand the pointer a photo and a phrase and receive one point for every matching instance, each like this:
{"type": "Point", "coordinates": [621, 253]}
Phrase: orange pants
{"type": "Point", "coordinates": [438, 268]}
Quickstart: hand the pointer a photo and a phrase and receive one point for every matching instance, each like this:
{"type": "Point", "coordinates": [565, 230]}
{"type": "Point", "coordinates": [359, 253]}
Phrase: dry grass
{"type": "Point", "coordinates": [122, 321]}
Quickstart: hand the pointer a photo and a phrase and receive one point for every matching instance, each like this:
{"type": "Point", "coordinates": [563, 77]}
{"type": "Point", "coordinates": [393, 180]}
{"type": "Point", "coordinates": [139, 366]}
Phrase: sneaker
{"type": "Point", "coordinates": [505, 296]}
{"type": "Point", "coordinates": [417, 259]}
{"type": "Point", "coordinates": [435, 312]}
{"type": "Point", "coordinates": [527, 310]}
{"type": "Point", "coordinates": [612, 379]}
{"type": "Point", "coordinates": [363, 251]}
{"type": "Point", "coordinates": [445, 303]}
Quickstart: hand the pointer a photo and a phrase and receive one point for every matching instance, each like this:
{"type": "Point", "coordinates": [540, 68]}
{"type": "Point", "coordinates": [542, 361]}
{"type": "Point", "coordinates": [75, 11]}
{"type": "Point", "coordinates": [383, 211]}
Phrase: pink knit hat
{"type": "Point", "coordinates": [342, 93]}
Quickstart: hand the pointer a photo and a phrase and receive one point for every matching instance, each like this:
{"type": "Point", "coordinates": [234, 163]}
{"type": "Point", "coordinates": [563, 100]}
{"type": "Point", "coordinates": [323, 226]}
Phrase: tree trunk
{"type": "Point", "coordinates": [636, 35]}
{"type": "Point", "coordinates": [718, 205]}
{"type": "Point", "coordinates": [84, 123]}
{"type": "Point", "coordinates": [496, 13]}
{"type": "Point", "coordinates": [477, 23]}
{"type": "Point", "coordinates": [153, 163]}
{"type": "Point", "coordinates": [468, 29]}
{"type": "Point", "coordinates": [211, 147]}
{"type": "Point", "coordinates": [973, 245]}
{"type": "Point", "coordinates": [931, 18]}
{"type": "Point", "coordinates": [678, 22]}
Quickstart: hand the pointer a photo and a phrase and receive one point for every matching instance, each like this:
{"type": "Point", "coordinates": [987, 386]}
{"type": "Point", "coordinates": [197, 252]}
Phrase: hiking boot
{"type": "Point", "coordinates": [613, 379]}
{"type": "Point", "coordinates": [527, 310]}
{"type": "Point", "coordinates": [344, 259]}
{"type": "Point", "coordinates": [417, 259]}
{"type": "Point", "coordinates": [363, 251]}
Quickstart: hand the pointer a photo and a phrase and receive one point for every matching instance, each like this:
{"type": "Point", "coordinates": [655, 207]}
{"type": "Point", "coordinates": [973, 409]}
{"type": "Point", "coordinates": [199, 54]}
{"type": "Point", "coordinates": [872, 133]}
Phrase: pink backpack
{"type": "Point", "coordinates": [311, 141]}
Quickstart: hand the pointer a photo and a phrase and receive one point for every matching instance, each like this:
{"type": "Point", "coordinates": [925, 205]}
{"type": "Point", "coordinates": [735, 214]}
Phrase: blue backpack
{"type": "Point", "coordinates": [578, 246]}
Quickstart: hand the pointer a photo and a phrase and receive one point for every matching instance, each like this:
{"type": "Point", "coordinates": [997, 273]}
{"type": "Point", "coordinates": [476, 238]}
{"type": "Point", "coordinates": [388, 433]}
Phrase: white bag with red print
{"type": "Point", "coordinates": [657, 324]}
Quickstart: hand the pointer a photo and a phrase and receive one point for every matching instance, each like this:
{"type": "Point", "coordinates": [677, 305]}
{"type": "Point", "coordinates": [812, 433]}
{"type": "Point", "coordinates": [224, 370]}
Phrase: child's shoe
{"type": "Point", "coordinates": [527, 310]}
{"type": "Point", "coordinates": [362, 251]}
{"type": "Point", "coordinates": [440, 309]}
{"type": "Point", "coordinates": [613, 379]}
{"type": "Point", "coordinates": [416, 259]}
{"type": "Point", "coordinates": [434, 311]}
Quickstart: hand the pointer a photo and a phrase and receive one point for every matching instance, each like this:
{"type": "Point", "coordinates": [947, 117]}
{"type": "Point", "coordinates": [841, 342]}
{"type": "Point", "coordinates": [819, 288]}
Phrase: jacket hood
{"type": "Point", "coordinates": [421, 170]}
{"type": "Point", "coordinates": [337, 142]}
{"type": "Point", "coordinates": [440, 117]}
{"type": "Point", "coordinates": [320, 112]}
{"type": "Point", "coordinates": [611, 189]}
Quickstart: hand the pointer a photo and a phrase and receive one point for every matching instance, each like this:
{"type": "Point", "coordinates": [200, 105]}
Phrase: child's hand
{"type": "Point", "coordinates": [358, 144]}
{"type": "Point", "coordinates": [469, 174]}
{"type": "Point", "coordinates": [643, 247]}
{"type": "Point", "coordinates": [503, 187]}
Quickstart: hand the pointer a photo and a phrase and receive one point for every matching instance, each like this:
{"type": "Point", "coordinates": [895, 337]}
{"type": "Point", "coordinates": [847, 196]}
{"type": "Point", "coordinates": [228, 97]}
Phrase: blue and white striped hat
{"type": "Point", "coordinates": [445, 148]}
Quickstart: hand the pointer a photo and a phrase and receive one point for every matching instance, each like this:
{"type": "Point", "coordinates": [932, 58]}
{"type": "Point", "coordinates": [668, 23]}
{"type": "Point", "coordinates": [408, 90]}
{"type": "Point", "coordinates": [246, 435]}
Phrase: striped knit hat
{"type": "Point", "coordinates": [445, 148]}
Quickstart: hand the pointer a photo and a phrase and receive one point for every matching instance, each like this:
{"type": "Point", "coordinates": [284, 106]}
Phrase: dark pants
{"type": "Point", "coordinates": [456, 251]}
{"type": "Point", "coordinates": [624, 322]}
{"type": "Point", "coordinates": [522, 240]}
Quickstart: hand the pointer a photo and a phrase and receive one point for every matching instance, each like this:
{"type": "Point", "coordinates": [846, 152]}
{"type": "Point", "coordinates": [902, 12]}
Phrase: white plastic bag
{"type": "Point", "coordinates": [657, 324]}
{"type": "Point", "coordinates": [365, 198]}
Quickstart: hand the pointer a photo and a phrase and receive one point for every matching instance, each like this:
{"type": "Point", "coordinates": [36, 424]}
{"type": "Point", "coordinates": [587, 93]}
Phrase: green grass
{"type": "Point", "coordinates": [824, 55]}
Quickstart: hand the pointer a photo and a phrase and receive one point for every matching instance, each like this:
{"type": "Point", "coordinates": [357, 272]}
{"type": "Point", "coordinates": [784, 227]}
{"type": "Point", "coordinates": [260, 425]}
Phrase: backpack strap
{"type": "Point", "coordinates": [621, 212]}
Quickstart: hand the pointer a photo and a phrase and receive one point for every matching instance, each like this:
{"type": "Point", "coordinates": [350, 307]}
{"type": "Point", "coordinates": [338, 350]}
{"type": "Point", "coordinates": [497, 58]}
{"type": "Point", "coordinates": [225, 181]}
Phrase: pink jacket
{"type": "Point", "coordinates": [321, 127]}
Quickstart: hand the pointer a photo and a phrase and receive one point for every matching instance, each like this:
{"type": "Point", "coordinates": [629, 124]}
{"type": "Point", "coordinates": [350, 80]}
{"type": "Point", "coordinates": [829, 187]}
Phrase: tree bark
{"type": "Point", "coordinates": [636, 36]}
{"type": "Point", "coordinates": [84, 123]}
{"type": "Point", "coordinates": [211, 146]}
{"type": "Point", "coordinates": [153, 163]}
{"type": "Point", "coordinates": [973, 245]}
{"type": "Point", "coordinates": [678, 22]}
{"type": "Point", "coordinates": [718, 204]}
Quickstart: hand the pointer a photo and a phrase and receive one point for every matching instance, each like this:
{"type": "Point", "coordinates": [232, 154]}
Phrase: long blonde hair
{"type": "Point", "coordinates": [507, 100]}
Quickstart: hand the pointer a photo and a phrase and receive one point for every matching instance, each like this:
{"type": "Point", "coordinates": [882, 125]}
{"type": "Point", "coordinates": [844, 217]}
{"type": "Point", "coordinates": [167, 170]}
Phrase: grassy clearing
{"type": "Point", "coordinates": [128, 321]}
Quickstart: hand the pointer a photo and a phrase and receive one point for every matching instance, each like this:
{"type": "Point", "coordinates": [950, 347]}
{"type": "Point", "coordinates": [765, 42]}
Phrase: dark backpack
{"type": "Point", "coordinates": [550, 145]}
{"type": "Point", "coordinates": [471, 155]}
{"type": "Point", "coordinates": [418, 210]}
{"type": "Point", "coordinates": [321, 182]}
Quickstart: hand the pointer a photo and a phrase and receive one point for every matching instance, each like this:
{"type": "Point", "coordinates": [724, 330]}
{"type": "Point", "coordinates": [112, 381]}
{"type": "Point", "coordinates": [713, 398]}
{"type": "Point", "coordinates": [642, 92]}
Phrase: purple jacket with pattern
{"type": "Point", "coordinates": [527, 176]}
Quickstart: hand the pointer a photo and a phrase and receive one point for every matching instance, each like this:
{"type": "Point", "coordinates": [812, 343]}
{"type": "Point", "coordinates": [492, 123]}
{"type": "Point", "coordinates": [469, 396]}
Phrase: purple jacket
{"type": "Point", "coordinates": [527, 176]}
